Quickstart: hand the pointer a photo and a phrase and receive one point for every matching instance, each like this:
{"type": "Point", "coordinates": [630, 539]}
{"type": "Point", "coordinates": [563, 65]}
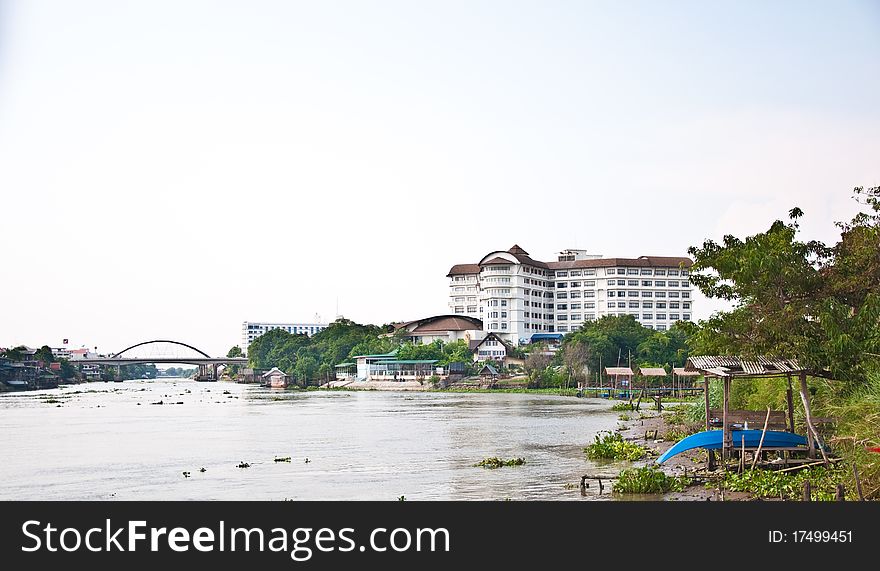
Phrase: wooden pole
{"type": "Point", "coordinates": [727, 450]}
{"type": "Point", "coordinates": [858, 483]}
{"type": "Point", "coordinates": [761, 443]}
{"type": "Point", "coordinates": [790, 403]}
{"type": "Point", "coordinates": [710, 453]}
{"type": "Point", "coordinates": [805, 398]}
{"type": "Point", "coordinates": [807, 490]}
{"type": "Point", "coordinates": [840, 493]}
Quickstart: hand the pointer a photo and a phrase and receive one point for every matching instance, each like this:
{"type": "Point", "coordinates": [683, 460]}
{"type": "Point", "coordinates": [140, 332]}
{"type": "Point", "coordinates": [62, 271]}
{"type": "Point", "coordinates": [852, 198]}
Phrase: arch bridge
{"type": "Point", "coordinates": [166, 351]}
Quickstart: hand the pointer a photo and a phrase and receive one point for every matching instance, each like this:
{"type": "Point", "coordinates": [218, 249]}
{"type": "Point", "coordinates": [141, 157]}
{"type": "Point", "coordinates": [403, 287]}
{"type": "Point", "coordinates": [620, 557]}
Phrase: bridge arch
{"type": "Point", "coordinates": [199, 351]}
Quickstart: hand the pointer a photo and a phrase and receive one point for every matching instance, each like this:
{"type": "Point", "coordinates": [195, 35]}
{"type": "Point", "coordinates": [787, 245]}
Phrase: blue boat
{"type": "Point", "coordinates": [714, 440]}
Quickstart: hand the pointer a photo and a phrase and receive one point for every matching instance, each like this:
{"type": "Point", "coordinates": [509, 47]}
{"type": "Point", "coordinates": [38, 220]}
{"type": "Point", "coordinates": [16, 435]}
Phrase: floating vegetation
{"type": "Point", "coordinates": [203, 469]}
{"type": "Point", "coordinates": [51, 401]}
{"type": "Point", "coordinates": [622, 405]}
{"type": "Point", "coordinates": [648, 480]}
{"type": "Point", "coordinates": [243, 465]}
{"type": "Point", "coordinates": [157, 402]}
{"type": "Point", "coordinates": [401, 499]}
{"type": "Point", "coordinates": [612, 446]}
{"type": "Point", "coordinates": [186, 474]}
{"type": "Point", "coordinates": [227, 393]}
{"type": "Point", "coordinates": [623, 417]}
{"type": "Point", "coordinates": [282, 459]}
{"type": "Point", "coordinates": [787, 485]}
{"type": "Point", "coordinates": [493, 462]}
{"type": "Point", "coordinates": [307, 460]}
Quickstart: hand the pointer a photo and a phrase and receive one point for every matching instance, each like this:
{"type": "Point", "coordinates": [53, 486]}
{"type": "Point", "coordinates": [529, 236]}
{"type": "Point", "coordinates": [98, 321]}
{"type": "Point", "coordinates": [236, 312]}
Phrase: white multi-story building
{"type": "Point", "coordinates": [516, 296]}
{"type": "Point", "coordinates": [250, 330]}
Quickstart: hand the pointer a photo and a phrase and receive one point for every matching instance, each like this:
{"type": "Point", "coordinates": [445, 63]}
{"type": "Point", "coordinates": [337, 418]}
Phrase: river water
{"type": "Point", "coordinates": [109, 441]}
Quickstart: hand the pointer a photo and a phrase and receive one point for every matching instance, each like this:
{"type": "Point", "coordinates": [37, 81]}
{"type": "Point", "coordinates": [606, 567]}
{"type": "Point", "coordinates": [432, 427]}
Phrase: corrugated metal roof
{"type": "Point", "coordinates": [725, 365]}
{"type": "Point", "coordinates": [682, 372]}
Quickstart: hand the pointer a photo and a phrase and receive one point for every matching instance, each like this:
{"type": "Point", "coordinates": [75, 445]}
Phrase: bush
{"type": "Point", "coordinates": [648, 480]}
{"type": "Point", "coordinates": [612, 446]}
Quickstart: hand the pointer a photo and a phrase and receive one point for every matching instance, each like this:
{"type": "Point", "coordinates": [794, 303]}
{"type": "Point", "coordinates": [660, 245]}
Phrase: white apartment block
{"type": "Point", "coordinates": [250, 330]}
{"type": "Point", "coordinates": [516, 296]}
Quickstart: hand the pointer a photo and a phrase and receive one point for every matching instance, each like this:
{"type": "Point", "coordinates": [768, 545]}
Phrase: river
{"type": "Point", "coordinates": [109, 441]}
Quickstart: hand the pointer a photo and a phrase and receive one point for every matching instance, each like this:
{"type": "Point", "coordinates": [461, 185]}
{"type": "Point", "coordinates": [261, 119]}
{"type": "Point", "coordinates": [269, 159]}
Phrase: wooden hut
{"type": "Point", "coordinates": [728, 368]}
{"type": "Point", "coordinates": [651, 373]}
{"type": "Point", "coordinates": [681, 376]}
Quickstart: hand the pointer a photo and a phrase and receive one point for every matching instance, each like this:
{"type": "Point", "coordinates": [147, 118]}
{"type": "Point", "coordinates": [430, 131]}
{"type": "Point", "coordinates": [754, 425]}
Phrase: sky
{"type": "Point", "coordinates": [169, 169]}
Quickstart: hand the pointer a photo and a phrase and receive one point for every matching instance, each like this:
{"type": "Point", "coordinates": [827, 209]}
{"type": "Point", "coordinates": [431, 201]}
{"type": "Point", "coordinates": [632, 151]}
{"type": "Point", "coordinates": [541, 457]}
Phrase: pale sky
{"type": "Point", "coordinates": [169, 169]}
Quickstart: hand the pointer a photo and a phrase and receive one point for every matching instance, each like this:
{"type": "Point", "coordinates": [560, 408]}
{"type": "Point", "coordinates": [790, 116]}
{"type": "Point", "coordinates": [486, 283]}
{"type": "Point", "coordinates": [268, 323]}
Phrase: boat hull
{"type": "Point", "coordinates": [714, 440]}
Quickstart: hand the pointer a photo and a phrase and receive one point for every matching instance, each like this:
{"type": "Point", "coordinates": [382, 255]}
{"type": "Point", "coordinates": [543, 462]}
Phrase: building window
{"type": "Point", "coordinates": [562, 317]}
{"type": "Point", "coordinates": [612, 282]}
{"type": "Point", "coordinates": [575, 306]}
{"type": "Point", "coordinates": [562, 328]}
{"type": "Point", "coordinates": [589, 293]}
{"type": "Point", "coordinates": [458, 309]}
{"type": "Point", "coordinates": [493, 315]}
{"type": "Point", "coordinates": [659, 294]}
{"type": "Point", "coordinates": [647, 316]}
{"type": "Point", "coordinates": [611, 293]}
{"type": "Point", "coordinates": [589, 316]}
{"type": "Point", "coordinates": [673, 294]}
{"type": "Point", "coordinates": [685, 294]}
{"type": "Point", "coordinates": [632, 271]}
{"type": "Point", "coordinates": [686, 317]}
{"type": "Point", "coordinates": [674, 316]}
{"type": "Point", "coordinates": [634, 304]}
{"type": "Point", "coordinates": [646, 283]}
{"type": "Point", "coordinates": [562, 306]}
{"type": "Point", "coordinates": [632, 294]}
{"type": "Point", "coordinates": [575, 284]}
{"type": "Point", "coordinates": [621, 271]}
{"type": "Point", "coordinates": [659, 272]}
{"type": "Point", "coordinates": [661, 328]}
{"type": "Point", "coordinates": [562, 295]}
{"type": "Point", "coordinates": [575, 273]}
{"type": "Point", "coordinates": [589, 272]}
{"type": "Point", "coordinates": [673, 283]}
{"type": "Point", "coordinates": [561, 274]}
{"type": "Point", "coordinates": [661, 305]}
{"type": "Point", "coordinates": [673, 305]}
{"type": "Point", "coordinates": [621, 304]}
{"type": "Point", "coordinates": [504, 326]}
{"type": "Point", "coordinates": [646, 294]}
{"type": "Point", "coordinates": [472, 309]}
{"type": "Point", "coordinates": [660, 283]}
{"type": "Point", "coordinates": [661, 316]}
{"type": "Point", "coordinates": [561, 284]}
{"type": "Point", "coordinates": [673, 272]}
{"type": "Point", "coordinates": [503, 303]}
{"type": "Point", "coordinates": [647, 304]}
{"type": "Point", "coordinates": [590, 283]}
{"type": "Point", "coordinates": [632, 283]}
{"type": "Point", "coordinates": [503, 315]}
{"type": "Point", "coordinates": [575, 295]}
{"type": "Point", "coordinates": [686, 305]}
{"type": "Point", "coordinates": [590, 305]}
{"type": "Point", "coordinates": [575, 316]}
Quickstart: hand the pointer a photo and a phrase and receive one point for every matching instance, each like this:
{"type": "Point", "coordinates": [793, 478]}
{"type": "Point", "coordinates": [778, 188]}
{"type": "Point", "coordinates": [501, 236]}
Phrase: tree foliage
{"type": "Point", "coordinates": [818, 303]}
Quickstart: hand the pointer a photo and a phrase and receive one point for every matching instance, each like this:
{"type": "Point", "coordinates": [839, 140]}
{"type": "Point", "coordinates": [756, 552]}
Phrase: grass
{"type": "Point", "coordinates": [612, 446]}
{"type": "Point", "coordinates": [648, 480]}
{"type": "Point", "coordinates": [621, 406]}
{"type": "Point", "coordinates": [493, 462]}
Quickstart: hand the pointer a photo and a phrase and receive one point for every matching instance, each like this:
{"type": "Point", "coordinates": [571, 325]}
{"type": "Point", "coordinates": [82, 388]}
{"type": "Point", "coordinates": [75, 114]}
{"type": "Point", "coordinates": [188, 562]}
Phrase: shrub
{"type": "Point", "coordinates": [493, 462]}
{"type": "Point", "coordinates": [612, 446]}
{"type": "Point", "coordinates": [648, 480]}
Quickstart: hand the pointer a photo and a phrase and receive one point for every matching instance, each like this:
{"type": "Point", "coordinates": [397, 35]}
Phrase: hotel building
{"type": "Point", "coordinates": [250, 330]}
{"type": "Point", "coordinates": [517, 296]}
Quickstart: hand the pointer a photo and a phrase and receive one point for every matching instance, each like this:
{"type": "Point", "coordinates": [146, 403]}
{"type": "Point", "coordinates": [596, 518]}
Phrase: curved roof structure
{"type": "Point", "coordinates": [437, 323]}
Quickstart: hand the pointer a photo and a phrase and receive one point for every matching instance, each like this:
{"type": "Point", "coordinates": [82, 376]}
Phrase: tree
{"type": "Point", "coordinates": [536, 366]}
{"type": "Point", "coordinates": [15, 354]}
{"type": "Point", "coordinates": [800, 299]}
{"type": "Point", "coordinates": [575, 355]}
{"type": "Point", "coordinates": [45, 355]}
{"type": "Point", "coordinates": [234, 352]}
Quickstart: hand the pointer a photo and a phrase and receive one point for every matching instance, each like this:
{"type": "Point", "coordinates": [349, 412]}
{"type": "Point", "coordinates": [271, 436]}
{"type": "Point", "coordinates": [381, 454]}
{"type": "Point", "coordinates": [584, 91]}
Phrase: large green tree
{"type": "Point", "coordinates": [797, 298]}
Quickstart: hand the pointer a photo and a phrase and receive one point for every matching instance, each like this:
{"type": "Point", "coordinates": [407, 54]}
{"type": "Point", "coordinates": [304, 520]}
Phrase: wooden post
{"type": "Point", "coordinates": [805, 397]}
{"type": "Point", "coordinates": [790, 403]}
{"type": "Point", "coordinates": [761, 443]}
{"type": "Point", "coordinates": [840, 494]}
{"type": "Point", "coordinates": [710, 462]}
{"type": "Point", "coordinates": [807, 490]}
{"type": "Point", "coordinates": [727, 450]}
{"type": "Point", "coordinates": [858, 483]}
{"type": "Point", "coordinates": [706, 394]}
